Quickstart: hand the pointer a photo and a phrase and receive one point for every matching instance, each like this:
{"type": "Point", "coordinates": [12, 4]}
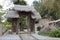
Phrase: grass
{"type": "Point", "coordinates": [43, 33]}
{"type": "Point", "coordinates": [53, 33]}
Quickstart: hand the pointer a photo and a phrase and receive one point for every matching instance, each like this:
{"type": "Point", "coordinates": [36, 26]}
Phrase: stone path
{"type": "Point", "coordinates": [26, 37]}
{"type": "Point", "coordinates": [10, 37]}
{"type": "Point", "coordinates": [17, 37]}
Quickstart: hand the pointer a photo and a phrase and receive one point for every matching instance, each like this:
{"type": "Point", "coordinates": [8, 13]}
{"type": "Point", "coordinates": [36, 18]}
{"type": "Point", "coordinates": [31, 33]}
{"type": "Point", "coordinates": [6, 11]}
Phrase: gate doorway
{"type": "Point", "coordinates": [18, 24]}
{"type": "Point", "coordinates": [26, 23]}
{"type": "Point", "coordinates": [23, 24]}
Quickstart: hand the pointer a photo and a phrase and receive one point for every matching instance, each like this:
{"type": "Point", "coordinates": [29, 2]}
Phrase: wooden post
{"type": "Point", "coordinates": [14, 24]}
{"type": "Point", "coordinates": [21, 25]}
{"type": "Point", "coordinates": [32, 28]}
{"type": "Point", "coordinates": [31, 24]}
{"type": "Point", "coordinates": [28, 19]}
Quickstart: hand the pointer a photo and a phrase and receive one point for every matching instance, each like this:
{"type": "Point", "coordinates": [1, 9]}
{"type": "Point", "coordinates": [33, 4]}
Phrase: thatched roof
{"type": "Point", "coordinates": [24, 8]}
{"type": "Point", "coordinates": [12, 14]}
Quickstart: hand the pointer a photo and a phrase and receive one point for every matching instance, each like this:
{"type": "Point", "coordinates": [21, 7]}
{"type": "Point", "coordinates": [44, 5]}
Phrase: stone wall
{"type": "Point", "coordinates": [2, 29]}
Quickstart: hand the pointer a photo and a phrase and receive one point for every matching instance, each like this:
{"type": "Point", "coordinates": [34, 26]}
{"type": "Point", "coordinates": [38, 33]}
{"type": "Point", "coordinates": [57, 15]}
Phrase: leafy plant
{"type": "Point", "coordinates": [48, 7]}
{"type": "Point", "coordinates": [8, 25]}
{"type": "Point", "coordinates": [55, 33]}
{"type": "Point", "coordinates": [21, 2]}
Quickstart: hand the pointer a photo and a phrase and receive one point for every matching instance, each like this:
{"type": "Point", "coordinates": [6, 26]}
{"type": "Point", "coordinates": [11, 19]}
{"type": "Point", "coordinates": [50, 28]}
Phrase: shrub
{"type": "Point", "coordinates": [8, 27]}
{"type": "Point", "coordinates": [55, 33]}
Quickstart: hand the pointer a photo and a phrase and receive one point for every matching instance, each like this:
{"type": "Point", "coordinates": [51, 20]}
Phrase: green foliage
{"type": "Point", "coordinates": [48, 7]}
{"type": "Point", "coordinates": [23, 20]}
{"type": "Point", "coordinates": [55, 33]}
{"type": "Point", "coordinates": [9, 20]}
{"type": "Point", "coordinates": [8, 25]}
{"type": "Point", "coordinates": [0, 14]}
{"type": "Point", "coordinates": [21, 2]}
{"type": "Point", "coordinates": [0, 7]}
{"type": "Point", "coordinates": [36, 6]}
{"type": "Point", "coordinates": [0, 18]}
